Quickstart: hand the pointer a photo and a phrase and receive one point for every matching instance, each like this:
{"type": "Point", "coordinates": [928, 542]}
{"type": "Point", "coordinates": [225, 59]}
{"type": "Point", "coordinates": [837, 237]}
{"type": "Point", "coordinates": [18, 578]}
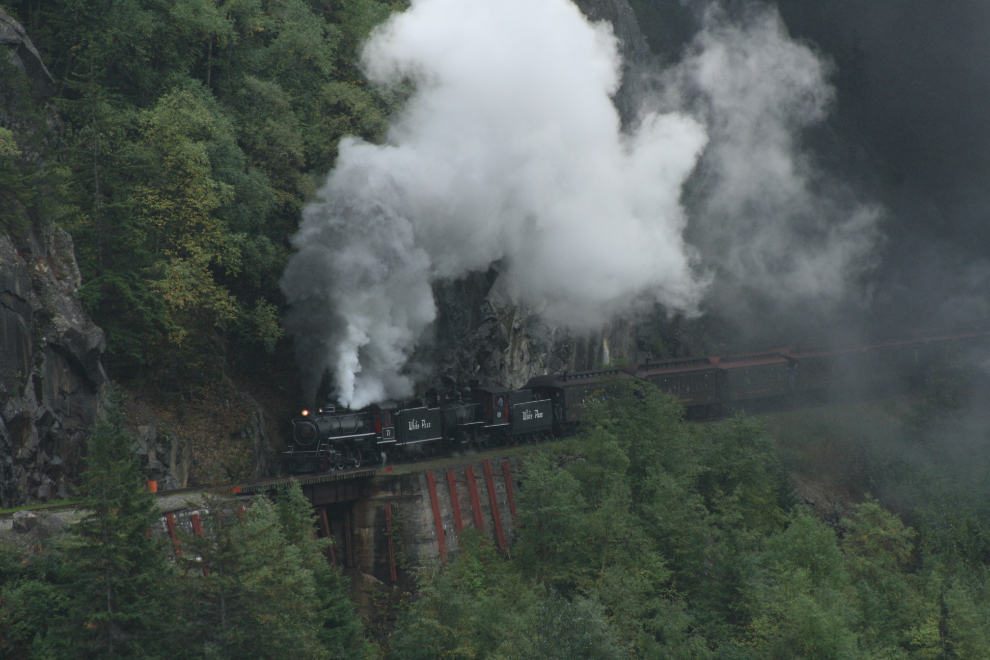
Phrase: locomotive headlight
{"type": "Point", "coordinates": [305, 413]}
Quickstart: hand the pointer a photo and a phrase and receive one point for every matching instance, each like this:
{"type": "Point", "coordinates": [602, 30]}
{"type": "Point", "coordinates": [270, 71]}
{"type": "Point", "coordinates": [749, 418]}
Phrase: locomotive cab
{"type": "Point", "coordinates": [384, 421]}
{"type": "Point", "coordinates": [494, 404]}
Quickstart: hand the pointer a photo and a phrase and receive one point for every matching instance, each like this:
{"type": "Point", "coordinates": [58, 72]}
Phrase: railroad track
{"type": "Point", "coordinates": [246, 488]}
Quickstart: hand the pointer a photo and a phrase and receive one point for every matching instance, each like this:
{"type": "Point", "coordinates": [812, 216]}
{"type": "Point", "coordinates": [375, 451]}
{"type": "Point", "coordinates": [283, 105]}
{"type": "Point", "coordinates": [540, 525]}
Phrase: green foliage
{"type": "Point", "coordinates": [111, 555]}
{"type": "Point", "coordinates": [337, 625]}
{"type": "Point", "coordinates": [32, 611]}
{"type": "Point", "coordinates": [259, 598]}
{"type": "Point", "coordinates": [801, 599]}
{"type": "Point", "coordinates": [477, 607]}
{"type": "Point", "coordinates": [571, 629]}
{"type": "Point", "coordinates": [652, 538]}
{"type": "Point", "coordinates": [262, 586]}
{"type": "Point", "coordinates": [256, 585]}
{"type": "Point", "coordinates": [195, 130]}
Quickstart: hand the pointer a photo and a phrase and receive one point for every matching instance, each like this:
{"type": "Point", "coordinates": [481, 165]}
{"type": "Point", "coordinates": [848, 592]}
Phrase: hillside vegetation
{"type": "Point", "coordinates": [655, 538]}
{"type": "Point", "coordinates": [256, 585]}
{"type": "Point", "coordinates": [194, 130]}
{"type": "Point", "coordinates": [643, 537]}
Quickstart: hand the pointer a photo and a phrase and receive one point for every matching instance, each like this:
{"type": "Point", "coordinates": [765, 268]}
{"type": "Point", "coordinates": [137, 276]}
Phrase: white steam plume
{"type": "Point", "coordinates": [767, 216]}
{"type": "Point", "coordinates": [510, 149]}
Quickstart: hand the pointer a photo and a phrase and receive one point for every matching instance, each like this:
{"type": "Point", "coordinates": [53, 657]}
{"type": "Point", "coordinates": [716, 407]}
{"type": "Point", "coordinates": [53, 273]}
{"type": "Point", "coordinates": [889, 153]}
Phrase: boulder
{"type": "Point", "coordinates": [25, 521]}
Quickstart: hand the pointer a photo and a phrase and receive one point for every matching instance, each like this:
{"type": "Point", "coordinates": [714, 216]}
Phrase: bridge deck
{"type": "Point", "coordinates": [277, 483]}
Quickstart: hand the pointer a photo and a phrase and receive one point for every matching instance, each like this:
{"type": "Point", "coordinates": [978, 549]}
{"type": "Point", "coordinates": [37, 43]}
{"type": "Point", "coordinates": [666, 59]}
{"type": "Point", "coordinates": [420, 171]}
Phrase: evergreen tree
{"type": "Point", "coordinates": [339, 627]}
{"type": "Point", "coordinates": [261, 587]}
{"type": "Point", "coordinates": [119, 606]}
{"type": "Point", "coordinates": [35, 599]}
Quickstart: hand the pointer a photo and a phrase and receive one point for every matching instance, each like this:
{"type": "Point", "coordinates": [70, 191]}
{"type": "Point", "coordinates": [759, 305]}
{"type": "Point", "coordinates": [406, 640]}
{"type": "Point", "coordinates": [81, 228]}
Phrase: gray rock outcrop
{"type": "Point", "coordinates": [52, 378]}
{"type": "Point", "coordinates": [165, 456]}
{"type": "Point", "coordinates": [24, 55]}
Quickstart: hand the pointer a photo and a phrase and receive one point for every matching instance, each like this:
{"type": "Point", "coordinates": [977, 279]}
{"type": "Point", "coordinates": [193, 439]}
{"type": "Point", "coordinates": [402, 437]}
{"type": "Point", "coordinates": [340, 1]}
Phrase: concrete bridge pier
{"type": "Point", "coordinates": [386, 525]}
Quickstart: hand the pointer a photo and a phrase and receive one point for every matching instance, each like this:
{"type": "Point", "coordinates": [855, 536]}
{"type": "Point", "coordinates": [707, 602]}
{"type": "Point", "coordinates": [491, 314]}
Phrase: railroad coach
{"type": "Point", "coordinates": [530, 415]}
{"type": "Point", "coordinates": [571, 392]}
{"type": "Point", "coordinates": [695, 381]}
{"type": "Point", "coordinates": [755, 376]}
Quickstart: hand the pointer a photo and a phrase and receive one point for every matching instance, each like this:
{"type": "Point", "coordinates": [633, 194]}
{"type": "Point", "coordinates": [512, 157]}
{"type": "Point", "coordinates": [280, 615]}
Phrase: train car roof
{"type": "Point", "coordinates": [676, 365]}
{"type": "Point", "coordinates": [824, 351]}
{"type": "Point", "coordinates": [751, 360]}
{"type": "Point", "coordinates": [895, 342]}
{"type": "Point", "coordinates": [492, 389]}
{"type": "Point", "coordinates": [576, 378]}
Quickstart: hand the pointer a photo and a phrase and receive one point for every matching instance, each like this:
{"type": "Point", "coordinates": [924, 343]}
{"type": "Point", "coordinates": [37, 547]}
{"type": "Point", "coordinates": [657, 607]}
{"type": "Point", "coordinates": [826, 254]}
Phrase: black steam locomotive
{"type": "Point", "coordinates": [480, 417]}
{"type": "Point", "coordinates": [555, 404]}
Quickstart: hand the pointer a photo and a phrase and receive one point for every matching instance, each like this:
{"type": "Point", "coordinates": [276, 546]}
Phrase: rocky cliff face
{"type": "Point", "coordinates": [24, 55]}
{"type": "Point", "coordinates": [484, 334]}
{"type": "Point", "coordinates": [51, 354]}
{"type": "Point", "coordinates": [51, 371]}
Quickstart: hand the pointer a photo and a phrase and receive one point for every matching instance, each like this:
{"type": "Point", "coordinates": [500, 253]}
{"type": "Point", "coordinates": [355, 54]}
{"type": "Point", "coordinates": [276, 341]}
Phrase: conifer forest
{"type": "Point", "coordinates": [276, 203]}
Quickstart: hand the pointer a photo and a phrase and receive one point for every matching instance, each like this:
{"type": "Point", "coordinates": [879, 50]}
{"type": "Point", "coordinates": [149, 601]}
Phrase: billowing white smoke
{"type": "Point", "coordinates": [510, 149]}
{"type": "Point", "coordinates": [768, 217]}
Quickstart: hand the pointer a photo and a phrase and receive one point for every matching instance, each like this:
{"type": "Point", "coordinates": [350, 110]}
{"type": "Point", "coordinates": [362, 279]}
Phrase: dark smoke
{"type": "Point", "coordinates": [908, 128]}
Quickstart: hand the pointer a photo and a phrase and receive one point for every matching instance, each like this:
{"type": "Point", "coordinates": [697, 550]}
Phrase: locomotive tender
{"type": "Point", "coordinates": [555, 404]}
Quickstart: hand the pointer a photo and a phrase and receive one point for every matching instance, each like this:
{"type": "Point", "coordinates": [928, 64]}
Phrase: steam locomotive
{"type": "Point", "coordinates": [478, 417]}
{"type": "Point", "coordinates": [329, 439]}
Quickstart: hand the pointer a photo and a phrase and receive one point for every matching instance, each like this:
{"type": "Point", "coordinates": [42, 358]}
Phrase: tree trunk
{"type": "Point", "coordinates": [209, 60]}
{"type": "Point", "coordinates": [106, 565]}
{"type": "Point", "coordinates": [96, 182]}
